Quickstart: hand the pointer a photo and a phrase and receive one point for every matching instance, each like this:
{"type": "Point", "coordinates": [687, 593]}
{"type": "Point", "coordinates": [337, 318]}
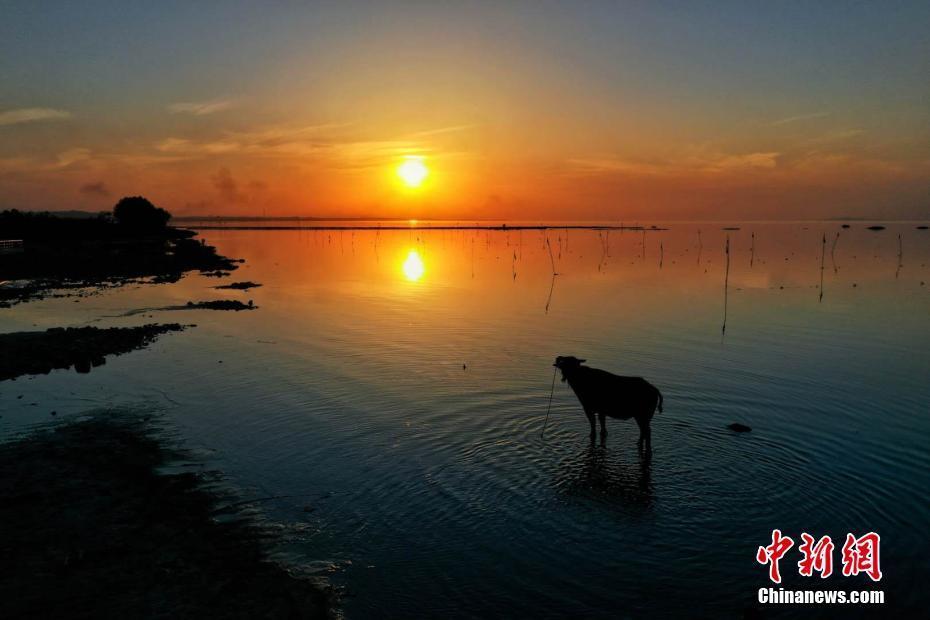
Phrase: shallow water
{"type": "Point", "coordinates": [395, 383]}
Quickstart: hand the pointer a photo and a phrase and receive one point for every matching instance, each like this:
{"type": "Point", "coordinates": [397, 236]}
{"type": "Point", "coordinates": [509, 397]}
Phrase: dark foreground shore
{"type": "Point", "coordinates": [91, 529]}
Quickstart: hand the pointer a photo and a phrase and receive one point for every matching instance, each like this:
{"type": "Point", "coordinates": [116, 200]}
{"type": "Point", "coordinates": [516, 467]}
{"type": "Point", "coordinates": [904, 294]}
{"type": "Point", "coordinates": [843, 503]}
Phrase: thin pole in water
{"type": "Point", "coordinates": [549, 408]}
{"type": "Point", "coordinates": [726, 290]}
{"type": "Point", "coordinates": [823, 253]}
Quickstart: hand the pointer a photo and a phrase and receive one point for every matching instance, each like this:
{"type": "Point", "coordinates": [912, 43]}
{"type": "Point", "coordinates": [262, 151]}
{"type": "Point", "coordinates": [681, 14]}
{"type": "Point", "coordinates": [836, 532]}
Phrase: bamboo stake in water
{"type": "Point", "coordinates": [726, 289]}
{"type": "Point", "coordinates": [551, 289]}
{"type": "Point", "coordinates": [549, 408]}
{"type": "Point", "coordinates": [823, 251]}
{"type": "Point", "coordinates": [551, 259]}
{"type": "Point", "coordinates": [900, 256]}
{"type": "Point", "coordinates": [700, 247]}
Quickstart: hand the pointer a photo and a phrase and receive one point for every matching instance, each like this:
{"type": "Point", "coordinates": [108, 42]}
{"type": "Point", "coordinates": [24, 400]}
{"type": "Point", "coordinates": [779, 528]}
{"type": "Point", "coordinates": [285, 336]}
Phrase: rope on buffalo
{"type": "Point", "coordinates": [549, 408]}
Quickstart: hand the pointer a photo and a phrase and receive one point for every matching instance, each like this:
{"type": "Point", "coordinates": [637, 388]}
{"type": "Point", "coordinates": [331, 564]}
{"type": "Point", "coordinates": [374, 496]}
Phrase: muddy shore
{"type": "Point", "coordinates": [91, 529]}
{"type": "Point", "coordinates": [40, 352]}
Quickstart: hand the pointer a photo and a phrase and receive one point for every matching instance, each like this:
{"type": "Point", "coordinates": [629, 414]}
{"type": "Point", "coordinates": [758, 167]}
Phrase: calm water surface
{"type": "Point", "coordinates": [394, 384]}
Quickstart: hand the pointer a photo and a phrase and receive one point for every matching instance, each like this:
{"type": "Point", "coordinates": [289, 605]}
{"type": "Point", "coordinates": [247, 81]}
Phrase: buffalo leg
{"type": "Point", "coordinates": [645, 434]}
{"type": "Point", "coordinates": [593, 427]}
{"type": "Point", "coordinates": [603, 420]}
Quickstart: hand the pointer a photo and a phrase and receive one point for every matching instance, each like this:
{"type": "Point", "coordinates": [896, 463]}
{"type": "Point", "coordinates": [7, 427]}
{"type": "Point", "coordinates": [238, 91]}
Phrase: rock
{"type": "Point", "coordinates": [215, 274]}
{"type": "Point", "coordinates": [217, 304]}
{"type": "Point", "coordinates": [239, 286]}
{"type": "Point", "coordinates": [736, 427]}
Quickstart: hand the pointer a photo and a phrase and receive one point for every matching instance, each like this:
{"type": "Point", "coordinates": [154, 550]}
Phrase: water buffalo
{"type": "Point", "coordinates": [605, 394]}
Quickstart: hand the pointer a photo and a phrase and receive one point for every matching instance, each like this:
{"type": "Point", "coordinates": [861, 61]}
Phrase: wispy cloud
{"type": "Point", "coordinates": [72, 156]}
{"type": "Point", "coordinates": [692, 161]}
{"type": "Point", "coordinates": [201, 108]}
{"type": "Point", "coordinates": [322, 142]}
{"type": "Point", "coordinates": [183, 146]}
{"type": "Point", "coordinates": [31, 115]}
{"type": "Point", "coordinates": [229, 189]}
{"type": "Point", "coordinates": [834, 136]}
{"type": "Point", "coordinates": [96, 188]}
{"type": "Point", "coordinates": [279, 140]}
{"type": "Point", "coordinates": [226, 185]}
{"type": "Point", "coordinates": [441, 130]}
{"type": "Point", "coordinates": [801, 117]}
{"type": "Point", "coordinates": [607, 165]}
{"type": "Point", "coordinates": [764, 160]}
{"type": "Point", "coordinates": [797, 166]}
{"type": "Point", "coordinates": [57, 162]}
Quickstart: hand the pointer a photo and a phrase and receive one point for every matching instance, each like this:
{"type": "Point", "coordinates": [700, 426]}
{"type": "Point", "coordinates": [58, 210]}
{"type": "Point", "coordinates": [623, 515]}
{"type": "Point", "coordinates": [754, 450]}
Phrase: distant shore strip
{"type": "Point", "coordinates": [430, 227]}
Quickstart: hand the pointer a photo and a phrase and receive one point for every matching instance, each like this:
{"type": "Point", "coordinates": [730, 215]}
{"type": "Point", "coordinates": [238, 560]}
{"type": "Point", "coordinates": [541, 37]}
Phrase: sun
{"type": "Point", "coordinates": [413, 171]}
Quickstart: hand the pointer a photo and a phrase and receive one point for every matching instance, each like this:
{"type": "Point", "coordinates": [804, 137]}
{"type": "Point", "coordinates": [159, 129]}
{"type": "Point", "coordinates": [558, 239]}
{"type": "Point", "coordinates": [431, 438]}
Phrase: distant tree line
{"type": "Point", "coordinates": [138, 213]}
{"type": "Point", "coordinates": [132, 215]}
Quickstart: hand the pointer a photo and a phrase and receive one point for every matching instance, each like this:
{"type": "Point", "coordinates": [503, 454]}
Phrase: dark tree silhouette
{"type": "Point", "coordinates": [138, 213]}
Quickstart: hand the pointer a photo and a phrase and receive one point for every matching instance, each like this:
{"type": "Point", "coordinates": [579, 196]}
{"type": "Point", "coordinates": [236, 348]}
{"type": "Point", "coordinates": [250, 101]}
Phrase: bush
{"type": "Point", "coordinates": [138, 213]}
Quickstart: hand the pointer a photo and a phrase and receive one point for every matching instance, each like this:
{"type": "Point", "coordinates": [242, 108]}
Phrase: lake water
{"type": "Point", "coordinates": [394, 384]}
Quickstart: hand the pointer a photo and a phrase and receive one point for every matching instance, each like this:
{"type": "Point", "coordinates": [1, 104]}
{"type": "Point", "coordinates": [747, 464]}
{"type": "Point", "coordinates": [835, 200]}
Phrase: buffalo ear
{"type": "Point", "coordinates": [582, 361]}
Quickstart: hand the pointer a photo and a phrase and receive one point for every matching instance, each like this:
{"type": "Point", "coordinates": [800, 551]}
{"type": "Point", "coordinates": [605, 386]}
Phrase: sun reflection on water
{"type": "Point", "coordinates": [413, 266]}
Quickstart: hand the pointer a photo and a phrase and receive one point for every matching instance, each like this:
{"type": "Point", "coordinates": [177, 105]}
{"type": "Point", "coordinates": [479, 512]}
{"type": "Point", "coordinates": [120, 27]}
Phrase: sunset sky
{"type": "Point", "coordinates": [519, 110]}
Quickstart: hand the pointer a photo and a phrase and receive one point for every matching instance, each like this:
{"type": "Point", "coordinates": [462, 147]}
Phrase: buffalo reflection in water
{"type": "Point", "coordinates": [602, 476]}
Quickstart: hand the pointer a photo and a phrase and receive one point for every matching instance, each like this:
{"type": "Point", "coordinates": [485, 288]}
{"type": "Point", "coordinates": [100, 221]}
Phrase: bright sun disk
{"type": "Point", "coordinates": [413, 172]}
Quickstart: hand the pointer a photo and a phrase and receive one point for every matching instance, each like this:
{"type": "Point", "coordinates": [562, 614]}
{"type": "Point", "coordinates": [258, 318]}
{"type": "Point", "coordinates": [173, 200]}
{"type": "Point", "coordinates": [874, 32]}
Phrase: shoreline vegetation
{"type": "Point", "coordinates": [133, 244]}
{"type": "Point", "coordinates": [95, 527]}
